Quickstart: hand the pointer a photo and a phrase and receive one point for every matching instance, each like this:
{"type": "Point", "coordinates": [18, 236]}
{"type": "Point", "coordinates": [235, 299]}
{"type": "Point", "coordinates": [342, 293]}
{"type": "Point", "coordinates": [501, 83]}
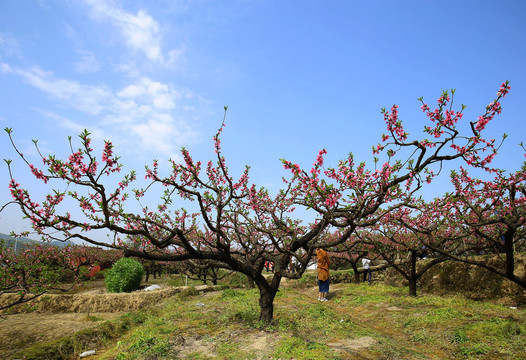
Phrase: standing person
{"type": "Point", "coordinates": [366, 265]}
{"type": "Point", "coordinates": [323, 273]}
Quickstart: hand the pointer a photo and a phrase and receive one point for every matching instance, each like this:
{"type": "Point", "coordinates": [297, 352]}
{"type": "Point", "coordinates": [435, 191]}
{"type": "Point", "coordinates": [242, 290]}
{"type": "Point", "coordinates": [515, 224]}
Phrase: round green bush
{"type": "Point", "coordinates": [124, 276]}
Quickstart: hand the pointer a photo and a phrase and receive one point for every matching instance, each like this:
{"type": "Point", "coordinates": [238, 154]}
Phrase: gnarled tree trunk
{"type": "Point", "coordinates": [267, 293]}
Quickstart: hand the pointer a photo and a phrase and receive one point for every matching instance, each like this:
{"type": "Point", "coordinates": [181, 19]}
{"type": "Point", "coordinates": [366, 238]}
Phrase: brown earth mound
{"type": "Point", "coordinates": [95, 301]}
{"type": "Point", "coordinates": [53, 316]}
{"type": "Point", "coordinates": [19, 331]}
{"type": "Point", "coordinates": [91, 302]}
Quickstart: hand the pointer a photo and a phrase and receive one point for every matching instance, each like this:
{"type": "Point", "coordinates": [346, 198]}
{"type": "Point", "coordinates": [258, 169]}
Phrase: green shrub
{"type": "Point", "coordinates": [124, 276]}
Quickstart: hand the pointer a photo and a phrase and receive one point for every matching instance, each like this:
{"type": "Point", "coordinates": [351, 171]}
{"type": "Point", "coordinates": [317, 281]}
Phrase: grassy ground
{"type": "Point", "coordinates": [359, 322]}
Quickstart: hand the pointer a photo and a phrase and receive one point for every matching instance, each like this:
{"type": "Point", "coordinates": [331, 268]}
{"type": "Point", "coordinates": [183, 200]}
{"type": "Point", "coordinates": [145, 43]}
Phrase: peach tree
{"type": "Point", "coordinates": [206, 214]}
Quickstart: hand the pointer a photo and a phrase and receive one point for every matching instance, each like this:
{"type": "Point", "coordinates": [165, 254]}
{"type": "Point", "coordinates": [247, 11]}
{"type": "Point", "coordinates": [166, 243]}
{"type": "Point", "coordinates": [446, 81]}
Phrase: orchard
{"type": "Point", "coordinates": [239, 226]}
{"type": "Point", "coordinates": [39, 268]}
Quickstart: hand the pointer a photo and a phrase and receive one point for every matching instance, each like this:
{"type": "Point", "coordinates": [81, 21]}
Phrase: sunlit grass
{"type": "Point", "coordinates": [402, 327]}
{"type": "Point", "coordinates": [297, 348]}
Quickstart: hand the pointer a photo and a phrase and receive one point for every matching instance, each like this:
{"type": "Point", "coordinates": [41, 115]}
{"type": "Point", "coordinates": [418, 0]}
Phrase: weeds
{"type": "Point", "coordinates": [423, 337]}
{"type": "Point", "coordinates": [296, 348]}
{"type": "Point", "coordinates": [225, 325]}
{"type": "Point", "coordinates": [149, 344]}
{"type": "Point", "coordinates": [477, 349]}
{"type": "Point", "coordinates": [460, 337]}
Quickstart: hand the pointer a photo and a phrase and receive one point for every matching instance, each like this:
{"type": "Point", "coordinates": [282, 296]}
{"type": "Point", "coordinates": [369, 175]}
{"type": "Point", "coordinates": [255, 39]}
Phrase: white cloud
{"type": "Point", "coordinates": [88, 63]}
{"type": "Point", "coordinates": [71, 34]}
{"type": "Point", "coordinates": [158, 134]}
{"type": "Point", "coordinates": [141, 32]}
{"type": "Point", "coordinates": [69, 124]}
{"type": "Point", "coordinates": [145, 116]}
{"type": "Point", "coordinates": [8, 46]}
{"type": "Point", "coordinates": [130, 91]}
{"type": "Point", "coordinates": [161, 96]}
{"type": "Point", "coordinates": [176, 56]}
{"type": "Point", "coordinates": [89, 99]}
{"type": "Point", "coordinates": [6, 68]}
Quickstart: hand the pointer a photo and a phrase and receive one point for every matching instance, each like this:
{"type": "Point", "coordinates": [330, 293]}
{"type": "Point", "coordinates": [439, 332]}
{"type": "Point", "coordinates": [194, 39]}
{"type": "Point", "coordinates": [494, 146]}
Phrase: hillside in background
{"type": "Point", "coordinates": [21, 242]}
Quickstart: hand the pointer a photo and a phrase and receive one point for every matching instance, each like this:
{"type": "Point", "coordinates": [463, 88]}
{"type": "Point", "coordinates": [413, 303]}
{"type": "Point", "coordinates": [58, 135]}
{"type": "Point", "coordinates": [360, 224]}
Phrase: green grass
{"type": "Point", "coordinates": [359, 321]}
{"type": "Point", "coordinates": [297, 348]}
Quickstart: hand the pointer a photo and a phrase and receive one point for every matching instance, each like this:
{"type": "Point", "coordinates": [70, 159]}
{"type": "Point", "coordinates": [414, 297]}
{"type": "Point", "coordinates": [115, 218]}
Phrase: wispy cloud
{"type": "Point", "coordinates": [75, 127]}
{"type": "Point", "coordinates": [72, 35]}
{"type": "Point", "coordinates": [8, 46]}
{"type": "Point", "coordinates": [86, 98]}
{"type": "Point", "coordinates": [145, 116]}
{"type": "Point", "coordinates": [141, 32]}
{"type": "Point", "coordinates": [87, 63]}
{"type": "Point", "coordinates": [161, 96]}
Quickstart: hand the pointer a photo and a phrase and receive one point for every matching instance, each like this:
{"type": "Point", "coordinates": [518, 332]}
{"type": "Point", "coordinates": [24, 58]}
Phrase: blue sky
{"type": "Point", "coordinates": [297, 76]}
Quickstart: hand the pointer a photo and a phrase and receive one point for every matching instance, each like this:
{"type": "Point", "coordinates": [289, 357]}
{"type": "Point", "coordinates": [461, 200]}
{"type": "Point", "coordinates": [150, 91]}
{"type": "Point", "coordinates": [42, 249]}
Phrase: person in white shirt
{"type": "Point", "coordinates": [366, 265]}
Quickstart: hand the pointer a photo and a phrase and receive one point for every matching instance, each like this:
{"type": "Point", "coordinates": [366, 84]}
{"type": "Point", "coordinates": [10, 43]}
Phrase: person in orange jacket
{"type": "Point", "coordinates": [323, 273]}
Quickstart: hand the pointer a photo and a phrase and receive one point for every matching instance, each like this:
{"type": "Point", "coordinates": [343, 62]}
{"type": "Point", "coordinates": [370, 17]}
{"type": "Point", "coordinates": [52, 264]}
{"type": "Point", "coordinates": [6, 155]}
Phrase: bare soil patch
{"type": "Point", "coordinates": [350, 345]}
{"type": "Point", "coordinates": [53, 316]}
{"type": "Point", "coordinates": [19, 331]}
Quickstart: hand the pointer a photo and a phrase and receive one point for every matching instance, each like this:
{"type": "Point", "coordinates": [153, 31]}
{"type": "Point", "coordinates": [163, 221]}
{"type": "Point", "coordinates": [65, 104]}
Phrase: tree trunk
{"type": "Point", "coordinates": [412, 287]}
{"type": "Point", "coordinates": [266, 305]}
{"type": "Point", "coordinates": [356, 273]}
{"type": "Point", "coordinates": [267, 293]}
{"type": "Point", "coordinates": [251, 284]}
{"type": "Point", "coordinates": [412, 276]}
{"type": "Point", "coordinates": [214, 274]}
{"type": "Point", "coordinates": [508, 248]}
